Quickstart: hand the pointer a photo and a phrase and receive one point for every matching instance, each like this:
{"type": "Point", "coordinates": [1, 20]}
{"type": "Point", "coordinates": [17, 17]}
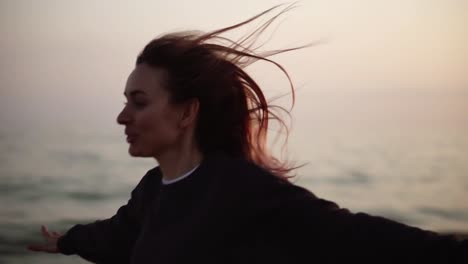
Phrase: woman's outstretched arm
{"type": "Point", "coordinates": [335, 233]}
{"type": "Point", "coordinates": [103, 241]}
{"type": "Point", "coordinates": [289, 220]}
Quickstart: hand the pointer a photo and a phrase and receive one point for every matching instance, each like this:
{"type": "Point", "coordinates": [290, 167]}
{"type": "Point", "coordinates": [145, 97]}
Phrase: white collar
{"type": "Point", "coordinates": [166, 182]}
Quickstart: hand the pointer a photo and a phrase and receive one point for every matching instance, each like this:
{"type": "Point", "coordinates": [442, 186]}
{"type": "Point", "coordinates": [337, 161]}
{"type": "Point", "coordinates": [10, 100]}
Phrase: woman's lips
{"type": "Point", "coordinates": [131, 139]}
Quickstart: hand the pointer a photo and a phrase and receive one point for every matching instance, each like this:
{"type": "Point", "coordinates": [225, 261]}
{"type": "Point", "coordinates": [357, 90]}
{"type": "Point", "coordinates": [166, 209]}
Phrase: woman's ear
{"type": "Point", "coordinates": [190, 112]}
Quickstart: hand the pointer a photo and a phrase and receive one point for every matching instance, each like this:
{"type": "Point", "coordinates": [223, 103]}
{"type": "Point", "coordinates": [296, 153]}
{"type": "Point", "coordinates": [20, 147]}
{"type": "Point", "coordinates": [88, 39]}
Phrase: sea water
{"type": "Point", "coordinates": [59, 178]}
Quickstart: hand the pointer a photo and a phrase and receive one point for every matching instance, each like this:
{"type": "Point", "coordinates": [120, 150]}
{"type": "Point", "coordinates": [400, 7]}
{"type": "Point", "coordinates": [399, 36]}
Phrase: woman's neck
{"type": "Point", "coordinates": [176, 163]}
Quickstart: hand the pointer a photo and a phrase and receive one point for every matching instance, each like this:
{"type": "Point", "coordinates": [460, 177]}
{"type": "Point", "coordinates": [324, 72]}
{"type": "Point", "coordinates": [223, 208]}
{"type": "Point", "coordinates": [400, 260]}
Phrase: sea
{"type": "Point", "coordinates": [62, 177]}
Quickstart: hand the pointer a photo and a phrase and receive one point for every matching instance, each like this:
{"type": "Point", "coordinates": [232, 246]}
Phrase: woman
{"type": "Point", "coordinates": [218, 196]}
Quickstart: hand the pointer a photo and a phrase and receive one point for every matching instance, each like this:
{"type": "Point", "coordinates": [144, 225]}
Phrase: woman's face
{"type": "Point", "coordinates": [151, 121]}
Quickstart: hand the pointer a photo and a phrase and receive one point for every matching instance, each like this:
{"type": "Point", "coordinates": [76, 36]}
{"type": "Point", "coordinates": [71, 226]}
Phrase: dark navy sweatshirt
{"type": "Point", "coordinates": [232, 211]}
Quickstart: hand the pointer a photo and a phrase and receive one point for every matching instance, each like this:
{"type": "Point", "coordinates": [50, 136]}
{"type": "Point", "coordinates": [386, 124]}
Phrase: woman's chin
{"type": "Point", "coordinates": [134, 152]}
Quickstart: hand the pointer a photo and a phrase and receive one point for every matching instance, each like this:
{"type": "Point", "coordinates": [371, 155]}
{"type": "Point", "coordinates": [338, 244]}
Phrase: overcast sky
{"type": "Point", "coordinates": [396, 62]}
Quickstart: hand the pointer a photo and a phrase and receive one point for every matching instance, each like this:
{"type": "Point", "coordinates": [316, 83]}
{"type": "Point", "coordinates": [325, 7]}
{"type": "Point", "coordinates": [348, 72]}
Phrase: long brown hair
{"type": "Point", "coordinates": [234, 114]}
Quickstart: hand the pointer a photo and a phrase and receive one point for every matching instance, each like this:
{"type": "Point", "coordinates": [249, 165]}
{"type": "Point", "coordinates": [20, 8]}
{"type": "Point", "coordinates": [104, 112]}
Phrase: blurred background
{"type": "Point", "coordinates": [380, 118]}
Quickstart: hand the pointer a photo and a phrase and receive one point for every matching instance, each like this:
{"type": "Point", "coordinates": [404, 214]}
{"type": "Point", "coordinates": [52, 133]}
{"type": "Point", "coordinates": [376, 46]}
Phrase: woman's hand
{"type": "Point", "coordinates": [50, 245]}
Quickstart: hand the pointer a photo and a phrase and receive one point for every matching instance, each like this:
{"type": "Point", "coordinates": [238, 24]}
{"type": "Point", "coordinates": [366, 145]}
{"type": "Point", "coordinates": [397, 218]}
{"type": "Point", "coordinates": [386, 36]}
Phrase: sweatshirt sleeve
{"type": "Point", "coordinates": [334, 234]}
{"type": "Point", "coordinates": [109, 240]}
{"type": "Point", "coordinates": [292, 221]}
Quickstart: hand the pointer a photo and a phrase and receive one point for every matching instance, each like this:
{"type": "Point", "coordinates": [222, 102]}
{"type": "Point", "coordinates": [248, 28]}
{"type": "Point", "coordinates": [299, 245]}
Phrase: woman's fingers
{"type": "Point", "coordinates": [50, 245]}
{"type": "Point", "coordinates": [44, 231]}
{"type": "Point", "coordinates": [43, 248]}
{"type": "Point", "coordinates": [36, 247]}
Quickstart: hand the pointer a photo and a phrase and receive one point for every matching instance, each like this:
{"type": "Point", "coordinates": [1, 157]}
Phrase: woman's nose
{"type": "Point", "coordinates": [123, 117]}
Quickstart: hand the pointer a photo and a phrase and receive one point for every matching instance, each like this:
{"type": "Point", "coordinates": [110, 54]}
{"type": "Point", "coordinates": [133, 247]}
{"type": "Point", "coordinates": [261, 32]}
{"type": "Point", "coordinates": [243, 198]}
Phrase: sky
{"type": "Point", "coordinates": [398, 64]}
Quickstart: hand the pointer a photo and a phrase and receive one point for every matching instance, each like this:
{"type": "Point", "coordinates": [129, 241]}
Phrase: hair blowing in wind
{"type": "Point", "coordinates": [234, 114]}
